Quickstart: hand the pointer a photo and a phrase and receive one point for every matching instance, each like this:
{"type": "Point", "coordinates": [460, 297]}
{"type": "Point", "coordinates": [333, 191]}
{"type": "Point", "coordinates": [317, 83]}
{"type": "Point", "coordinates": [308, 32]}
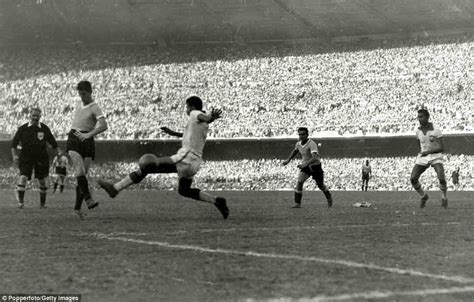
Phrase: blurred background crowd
{"type": "Point", "coordinates": [389, 174]}
{"type": "Point", "coordinates": [264, 91]}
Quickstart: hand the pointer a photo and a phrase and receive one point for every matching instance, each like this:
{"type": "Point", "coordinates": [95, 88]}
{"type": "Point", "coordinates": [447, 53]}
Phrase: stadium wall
{"type": "Point", "coordinates": [267, 148]}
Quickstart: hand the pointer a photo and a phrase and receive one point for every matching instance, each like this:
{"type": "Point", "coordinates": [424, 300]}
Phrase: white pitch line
{"type": "Point", "coordinates": [393, 270]}
{"type": "Point", "coordinates": [379, 295]}
{"type": "Point", "coordinates": [289, 228]}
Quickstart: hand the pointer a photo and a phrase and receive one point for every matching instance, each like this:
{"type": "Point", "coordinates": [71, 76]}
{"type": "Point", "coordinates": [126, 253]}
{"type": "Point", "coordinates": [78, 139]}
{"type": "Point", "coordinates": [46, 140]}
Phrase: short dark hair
{"type": "Point", "coordinates": [303, 129]}
{"type": "Point", "coordinates": [84, 86]}
{"type": "Point", "coordinates": [194, 102]}
{"type": "Point", "coordinates": [424, 112]}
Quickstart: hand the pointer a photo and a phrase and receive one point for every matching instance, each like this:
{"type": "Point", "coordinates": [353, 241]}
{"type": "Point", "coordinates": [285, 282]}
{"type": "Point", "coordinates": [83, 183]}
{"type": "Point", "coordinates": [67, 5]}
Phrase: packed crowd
{"type": "Point", "coordinates": [390, 174]}
{"type": "Point", "coordinates": [264, 91]}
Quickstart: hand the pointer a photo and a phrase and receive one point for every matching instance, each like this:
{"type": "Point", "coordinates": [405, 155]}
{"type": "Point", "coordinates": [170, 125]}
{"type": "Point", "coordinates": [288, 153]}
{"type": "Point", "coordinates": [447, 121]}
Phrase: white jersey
{"type": "Point", "coordinates": [86, 117]}
{"type": "Point", "coordinates": [307, 149]}
{"type": "Point", "coordinates": [366, 169]}
{"type": "Point", "coordinates": [195, 133]}
{"type": "Point", "coordinates": [428, 141]}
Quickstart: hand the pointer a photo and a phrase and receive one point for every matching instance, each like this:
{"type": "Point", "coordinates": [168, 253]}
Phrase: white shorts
{"type": "Point", "coordinates": [430, 159]}
{"type": "Point", "coordinates": [187, 163]}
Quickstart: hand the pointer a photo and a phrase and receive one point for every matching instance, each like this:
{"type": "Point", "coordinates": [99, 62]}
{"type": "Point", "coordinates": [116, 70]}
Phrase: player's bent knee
{"type": "Point", "coordinates": [147, 163]}
{"type": "Point", "coordinates": [414, 181]}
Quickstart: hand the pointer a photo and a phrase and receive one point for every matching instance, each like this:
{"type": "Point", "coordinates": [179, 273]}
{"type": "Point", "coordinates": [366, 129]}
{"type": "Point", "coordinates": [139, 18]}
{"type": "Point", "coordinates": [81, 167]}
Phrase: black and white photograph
{"type": "Point", "coordinates": [236, 150]}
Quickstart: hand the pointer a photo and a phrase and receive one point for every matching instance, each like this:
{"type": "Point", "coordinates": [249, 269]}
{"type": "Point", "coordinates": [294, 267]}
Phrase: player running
{"type": "Point", "coordinates": [430, 139]}
{"type": "Point", "coordinates": [186, 162]}
{"type": "Point", "coordinates": [309, 166]}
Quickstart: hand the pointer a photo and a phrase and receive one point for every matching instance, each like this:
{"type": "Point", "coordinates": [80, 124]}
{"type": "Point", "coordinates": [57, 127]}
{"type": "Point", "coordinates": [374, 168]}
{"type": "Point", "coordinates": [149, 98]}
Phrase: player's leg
{"type": "Point", "coordinates": [439, 168]}
{"type": "Point", "coordinates": [78, 170]}
{"type": "Point", "coordinates": [43, 186]}
{"type": "Point", "coordinates": [85, 184]}
{"type": "Point", "coordinates": [20, 190]}
{"type": "Point", "coordinates": [363, 181]}
{"type": "Point", "coordinates": [414, 179]}
{"type": "Point", "coordinates": [56, 181]}
{"type": "Point", "coordinates": [302, 177]}
{"type": "Point", "coordinates": [41, 168]}
{"type": "Point", "coordinates": [318, 176]}
{"type": "Point", "coordinates": [26, 170]}
{"type": "Point", "coordinates": [184, 189]}
{"type": "Point", "coordinates": [61, 182]}
{"type": "Point", "coordinates": [148, 164]}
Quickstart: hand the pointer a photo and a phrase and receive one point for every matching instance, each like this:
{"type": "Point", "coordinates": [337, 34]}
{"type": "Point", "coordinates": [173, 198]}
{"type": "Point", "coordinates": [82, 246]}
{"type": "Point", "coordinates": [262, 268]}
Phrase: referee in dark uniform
{"type": "Point", "coordinates": [33, 138]}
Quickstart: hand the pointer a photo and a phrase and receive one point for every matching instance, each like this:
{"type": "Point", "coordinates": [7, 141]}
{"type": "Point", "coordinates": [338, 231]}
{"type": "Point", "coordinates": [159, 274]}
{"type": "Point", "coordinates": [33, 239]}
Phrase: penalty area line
{"type": "Point", "coordinates": [392, 270]}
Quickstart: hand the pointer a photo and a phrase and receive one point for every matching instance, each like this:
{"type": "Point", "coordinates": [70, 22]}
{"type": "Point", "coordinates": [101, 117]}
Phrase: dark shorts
{"type": "Point", "coordinates": [39, 165]}
{"type": "Point", "coordinates": [316, 172]}
{"type": "Point", "coordinates": [61, 170]}
{"type": "Point", "coordinates": [365, 176]}
{"type": "Point", "coordinates": [84, 148]}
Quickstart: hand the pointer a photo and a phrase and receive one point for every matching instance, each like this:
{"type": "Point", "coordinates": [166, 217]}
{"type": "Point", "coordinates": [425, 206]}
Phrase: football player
{"type": "Point", "coordinates": [186, 162]}
{"type": "Point", "coordinates": [431, 144]}
{"type": "Point", "coordinates": [310, 166]}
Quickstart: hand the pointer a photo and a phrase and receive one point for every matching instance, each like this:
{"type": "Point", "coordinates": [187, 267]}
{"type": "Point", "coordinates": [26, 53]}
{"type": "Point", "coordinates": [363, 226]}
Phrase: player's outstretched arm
{"type": "Point", "coordinates": [215, 114]}
{"type": "Point", "coordinates": [171, 132]}
{"type": "Point", "coordinates": [292, 155]}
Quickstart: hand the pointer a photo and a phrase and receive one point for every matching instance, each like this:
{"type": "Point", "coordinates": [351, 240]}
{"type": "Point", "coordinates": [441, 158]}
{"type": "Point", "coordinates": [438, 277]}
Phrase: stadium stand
{"type": "Point", "coordinates": [268, 174]}
{"type": "Point", "coordinates": [263, 91]}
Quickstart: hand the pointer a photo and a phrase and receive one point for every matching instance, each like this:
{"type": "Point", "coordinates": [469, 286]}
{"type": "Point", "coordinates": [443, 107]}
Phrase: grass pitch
{"type": "Point", "coordinates": [158, 246]}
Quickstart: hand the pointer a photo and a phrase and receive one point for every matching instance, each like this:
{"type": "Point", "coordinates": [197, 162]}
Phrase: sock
{"type": "Point", "coordinates": [84, 187]}
{"type": "Point", "coordinates": [207, 197]}
{"type": "Point", "coordinates": [298, 196]}
{"type": "Point", "coordinates": [21, 193]}
{"type": "Point", "coordinates": [55, 187]}
{"type": "Point", "coordinates": [327, 194]}
{"type": "Point", "coordinates": [444, 188]}
{"type": "Point", "coordinates": [79, 198]}
{"type": "Point", "coordinates": [61, 188]}
{"type": "Point", "coordinates": [125, 182]}
{"type": "Point", "coordinates": [366, 188]}
{"type": "Point", "coordinates": [43, 195]}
